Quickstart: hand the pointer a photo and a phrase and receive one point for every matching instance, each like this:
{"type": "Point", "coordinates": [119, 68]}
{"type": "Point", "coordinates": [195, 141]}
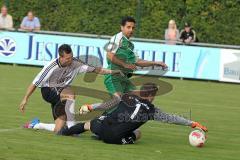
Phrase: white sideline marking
{"type": "Point", "coordinates": [10, 129]}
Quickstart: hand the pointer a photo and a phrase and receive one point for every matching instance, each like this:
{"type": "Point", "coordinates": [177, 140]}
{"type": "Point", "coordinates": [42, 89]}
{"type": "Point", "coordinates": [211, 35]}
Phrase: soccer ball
{"type": "Point", "coordinates": [197, 138]}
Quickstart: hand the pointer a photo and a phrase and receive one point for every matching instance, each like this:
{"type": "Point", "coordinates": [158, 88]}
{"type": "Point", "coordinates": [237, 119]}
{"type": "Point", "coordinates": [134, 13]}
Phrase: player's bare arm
{"type": "Point", "coordinates": [144, 63]}
{"type": "Point", "coordinates": [111, 56]}
{"type": "Point", "coordinates": [30, 90]}
{"type": "Point", "coordinates": [100, 70]}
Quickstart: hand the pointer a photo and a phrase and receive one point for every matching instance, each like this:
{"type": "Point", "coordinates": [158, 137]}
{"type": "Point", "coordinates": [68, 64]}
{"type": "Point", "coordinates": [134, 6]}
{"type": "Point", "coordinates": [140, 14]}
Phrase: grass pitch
{"type": "Point", "coordinates": [215, 105]}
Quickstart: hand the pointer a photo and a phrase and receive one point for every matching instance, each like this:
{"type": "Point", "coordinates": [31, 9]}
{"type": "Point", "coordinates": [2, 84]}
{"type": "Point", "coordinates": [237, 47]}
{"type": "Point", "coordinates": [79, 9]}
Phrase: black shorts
{"type": "Point", "coordinates": [110, 134]}
{"type": "Point", "coordinates": [52, 96]}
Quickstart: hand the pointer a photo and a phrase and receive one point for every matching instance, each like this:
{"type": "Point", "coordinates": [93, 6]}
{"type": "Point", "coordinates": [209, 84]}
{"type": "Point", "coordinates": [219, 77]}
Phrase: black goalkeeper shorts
{"type": "Point", "coordinates": [110, 134]}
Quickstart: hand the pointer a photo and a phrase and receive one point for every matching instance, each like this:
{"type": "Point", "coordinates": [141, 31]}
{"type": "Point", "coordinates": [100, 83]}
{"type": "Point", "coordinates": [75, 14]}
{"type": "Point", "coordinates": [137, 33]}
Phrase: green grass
{"type": "Point", "coordinates": [214, 104]}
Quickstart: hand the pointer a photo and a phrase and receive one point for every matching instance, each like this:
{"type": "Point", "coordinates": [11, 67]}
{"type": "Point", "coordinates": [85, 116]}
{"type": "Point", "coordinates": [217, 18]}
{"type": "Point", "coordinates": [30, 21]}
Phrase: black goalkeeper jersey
{"type": "Point", "coordinates": [129, 114]}
{"type": "Point", "coordinates": [119, 123]}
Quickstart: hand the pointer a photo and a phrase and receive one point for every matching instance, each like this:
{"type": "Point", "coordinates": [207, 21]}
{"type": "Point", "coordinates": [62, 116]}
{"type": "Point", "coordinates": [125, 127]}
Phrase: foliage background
{"type": "Point", "coordinates": [215, 21]}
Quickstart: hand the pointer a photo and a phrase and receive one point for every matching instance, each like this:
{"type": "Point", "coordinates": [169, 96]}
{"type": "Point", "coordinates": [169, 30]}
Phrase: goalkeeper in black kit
{"type": "Point", "coordinates": [119, 125]}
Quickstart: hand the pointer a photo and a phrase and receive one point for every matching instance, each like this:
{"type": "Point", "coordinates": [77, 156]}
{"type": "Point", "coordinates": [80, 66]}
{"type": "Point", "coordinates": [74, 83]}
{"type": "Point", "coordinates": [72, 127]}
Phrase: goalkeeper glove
{"type": "Point", "coordinates": [85, 109]}
{"type": "Point", "coordinates": [198, 125]}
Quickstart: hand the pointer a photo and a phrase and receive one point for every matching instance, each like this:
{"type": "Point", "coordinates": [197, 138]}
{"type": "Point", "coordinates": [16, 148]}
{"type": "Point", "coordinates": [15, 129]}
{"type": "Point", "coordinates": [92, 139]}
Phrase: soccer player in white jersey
{"type": "Point", "coordinates": [54, 80]}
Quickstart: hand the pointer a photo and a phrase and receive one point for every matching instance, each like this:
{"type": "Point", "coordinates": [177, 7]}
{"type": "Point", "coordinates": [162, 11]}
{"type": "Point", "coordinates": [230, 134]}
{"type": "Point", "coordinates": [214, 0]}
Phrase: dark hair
{"type": "Point", "coordinates": [127, 19]}
{"type": "Point", "coordinates": [65, 48]}
{"type": "Point", "coordinates": [148, 89]}
{"type": "Point", "coordinates": [186, 24]}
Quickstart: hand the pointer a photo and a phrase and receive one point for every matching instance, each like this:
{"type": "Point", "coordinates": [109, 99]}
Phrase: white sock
{"type": "Point", "coordinates": [45, 126]}
{"type": "Point", "coordinates": [69, 109]}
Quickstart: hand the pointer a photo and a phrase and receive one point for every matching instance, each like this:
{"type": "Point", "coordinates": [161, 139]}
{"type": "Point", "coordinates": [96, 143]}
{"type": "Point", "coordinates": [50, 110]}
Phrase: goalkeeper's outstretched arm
{"type": "Point", "coordinates": [175, 119]}
{"type": "Point", "coordinates": [108, 104]}
{"type": "Point", "coordinates": [100, 106]}
{"type": "Point", "coordinates": [170, 118]}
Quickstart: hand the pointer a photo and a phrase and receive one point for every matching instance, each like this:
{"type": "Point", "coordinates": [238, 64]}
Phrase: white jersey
{"type": "Point", "coordinates": [54, 75]}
